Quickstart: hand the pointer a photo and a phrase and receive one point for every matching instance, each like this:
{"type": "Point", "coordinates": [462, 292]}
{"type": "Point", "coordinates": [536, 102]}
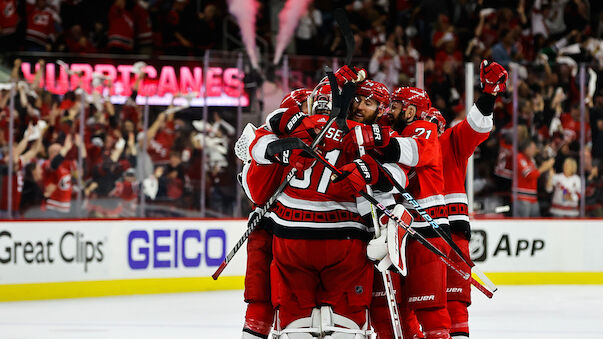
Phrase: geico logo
{"type": "Point", "coordinates": [73, 248]}
{"type": "Point", "coordinates": [169, 248]}
{"type": "Point", "coordinates": [421, 298]}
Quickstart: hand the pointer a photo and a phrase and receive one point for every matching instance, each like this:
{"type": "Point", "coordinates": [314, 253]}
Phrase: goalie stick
{"type": "Point", "coordinates": [338, 99]}
{"type": "Point", "coordinates": [415, 204]}
{"type": "Point", "coordinates": [299, 144]}
{"type": "Point", "coordinates": [385, 275]}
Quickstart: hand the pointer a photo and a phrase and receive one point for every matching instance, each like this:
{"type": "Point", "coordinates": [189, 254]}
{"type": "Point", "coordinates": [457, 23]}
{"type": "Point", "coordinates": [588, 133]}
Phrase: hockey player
{"type": "Point", "coordinates": [260, 312]}
{"type": "Point", "coordinates": [425, 285]}
{"type": "Point", "coordinates": [458, 144]}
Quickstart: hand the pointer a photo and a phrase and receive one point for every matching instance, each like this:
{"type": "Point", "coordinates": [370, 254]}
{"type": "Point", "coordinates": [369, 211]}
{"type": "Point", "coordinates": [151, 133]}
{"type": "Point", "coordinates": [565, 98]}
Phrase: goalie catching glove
{"type": "Point", "coordinates": [389, 249]}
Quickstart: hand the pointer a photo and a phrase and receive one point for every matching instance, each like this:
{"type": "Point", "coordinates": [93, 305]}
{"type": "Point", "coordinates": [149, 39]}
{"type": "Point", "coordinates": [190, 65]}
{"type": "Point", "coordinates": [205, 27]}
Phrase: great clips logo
{"type": "Point", "coordinates": [70, 247]}
{"type": "Point", "coordinates": [223, 86]}
{"type": "Point", "coordinates": [168, 248]}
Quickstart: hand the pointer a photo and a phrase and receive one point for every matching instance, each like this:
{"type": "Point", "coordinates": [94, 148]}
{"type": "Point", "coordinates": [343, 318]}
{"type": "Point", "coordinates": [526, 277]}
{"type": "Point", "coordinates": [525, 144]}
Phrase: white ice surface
{"type": "Point", "coordinates": [534, 312]}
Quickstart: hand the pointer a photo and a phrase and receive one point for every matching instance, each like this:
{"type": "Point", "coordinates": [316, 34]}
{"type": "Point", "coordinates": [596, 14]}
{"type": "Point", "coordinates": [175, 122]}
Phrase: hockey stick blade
{"type": "Point", "coordinates": [436, 227]}
{"type": "Point", "coordinates": [346, 31]}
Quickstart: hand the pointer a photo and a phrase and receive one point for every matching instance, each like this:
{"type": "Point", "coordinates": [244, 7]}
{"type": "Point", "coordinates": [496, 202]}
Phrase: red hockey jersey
{"type": "Point", "coordinates": [121, 28]}
{"type": "Point", "coordinates": [426, 182]}
{"type": "Point", "coordinates": [40, 26]}
{"type": "Point", "coordinates": [457, 144]}
{"type": "Point", "coordinates": [9, 18]}
{"type": "Point", "coordinates": [527, 179]}
{"type": "Point", "coordinates": [60, 198]}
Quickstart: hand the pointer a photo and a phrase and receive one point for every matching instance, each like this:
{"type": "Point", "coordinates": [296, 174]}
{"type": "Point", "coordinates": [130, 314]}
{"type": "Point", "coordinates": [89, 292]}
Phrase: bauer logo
{"type": "Point", "coordinates": [168, 248]}
{"type": "Point", "coordinates": [478, 245]}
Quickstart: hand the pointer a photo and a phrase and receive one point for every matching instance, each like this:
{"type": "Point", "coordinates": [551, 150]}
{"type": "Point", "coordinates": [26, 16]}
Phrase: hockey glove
{"type": "Point", "coordinates": [347, 74]}
{"type": "Point", "coordinates": [282, 152]}
{"type": "Point", "coordinates": [493, 77]}
{"type": "Point", "coordinates": [359, 173]}
{"type": "Point", "coordinates": [373, 136]}
{"type": "Point", "coordinates": [294, 123]}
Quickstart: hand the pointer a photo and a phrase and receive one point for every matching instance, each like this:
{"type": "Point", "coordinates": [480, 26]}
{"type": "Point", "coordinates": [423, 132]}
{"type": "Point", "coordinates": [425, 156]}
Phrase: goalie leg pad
{"type": "Point", "coordinates": [459, 317]}
{"type": "Point", "coordinates": [457, 288]}
{"type": "Point", "coordinates": [425, 285]}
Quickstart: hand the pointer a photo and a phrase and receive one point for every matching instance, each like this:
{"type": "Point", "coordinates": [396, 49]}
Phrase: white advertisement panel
{"type": "Point", "coordinates": [537, 245]}
{"type": "Point", "coordinates": [56, 251]}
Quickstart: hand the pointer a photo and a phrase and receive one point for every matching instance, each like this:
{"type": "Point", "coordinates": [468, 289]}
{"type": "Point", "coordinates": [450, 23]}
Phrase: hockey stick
{"type": "Point", "coordinates": [257, 216]}
{"type": "Point", "coordinates": [346, 31]}
{"type": "Point", "coordinates": [466, 276]}
{"type": "Point", "coordinates": [415, 204]}
{"type": "Point", "coordinates": [385, 275]}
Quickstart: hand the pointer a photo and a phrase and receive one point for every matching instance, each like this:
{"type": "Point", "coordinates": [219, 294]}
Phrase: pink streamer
{"type": "Point", "coordinates": [288, 19]}
{"type": "Point", "coordinates": [245, 12]}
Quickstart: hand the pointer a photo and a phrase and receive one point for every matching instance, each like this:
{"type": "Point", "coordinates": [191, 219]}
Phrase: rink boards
{"type": "Point", "coordinates": [65, 259]}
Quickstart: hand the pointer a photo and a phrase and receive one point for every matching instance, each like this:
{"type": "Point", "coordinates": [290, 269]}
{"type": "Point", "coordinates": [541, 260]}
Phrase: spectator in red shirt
{"type": "Point", "coordinates": [527, 179]}
{"type": "Point", "coordinates": [121, 27]}
{"type": "Point", "coordinates": [57, 180]}
{"type": "Point", "coordinates": [9, 19]}
{"type": "Point", "coordinates": [40, 27]}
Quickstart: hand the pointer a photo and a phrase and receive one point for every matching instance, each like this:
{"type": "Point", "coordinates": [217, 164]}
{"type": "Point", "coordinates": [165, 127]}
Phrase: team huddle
{"type": "Point", "coordinates": [324, 260]}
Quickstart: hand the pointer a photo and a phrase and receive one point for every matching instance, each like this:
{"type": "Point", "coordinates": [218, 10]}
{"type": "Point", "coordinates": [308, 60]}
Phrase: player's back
{"type": "Point", "coordinates": [312, 206]}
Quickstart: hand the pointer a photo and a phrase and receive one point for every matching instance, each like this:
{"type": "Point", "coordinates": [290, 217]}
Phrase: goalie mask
{"type": "Point", "coordinates": [321, 101]}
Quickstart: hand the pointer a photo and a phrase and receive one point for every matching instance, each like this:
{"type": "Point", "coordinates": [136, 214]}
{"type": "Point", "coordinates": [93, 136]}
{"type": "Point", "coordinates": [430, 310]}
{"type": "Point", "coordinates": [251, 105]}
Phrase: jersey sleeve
{"type": "Point", "coordinates": [419, 150]}
{"type": "Point", "coordinates": [471, 132]}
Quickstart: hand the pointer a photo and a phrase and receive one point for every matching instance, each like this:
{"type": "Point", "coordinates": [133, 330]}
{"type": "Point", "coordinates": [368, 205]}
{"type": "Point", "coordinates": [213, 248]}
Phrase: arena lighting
{"type": "Point", "coordinates": [161, 84]}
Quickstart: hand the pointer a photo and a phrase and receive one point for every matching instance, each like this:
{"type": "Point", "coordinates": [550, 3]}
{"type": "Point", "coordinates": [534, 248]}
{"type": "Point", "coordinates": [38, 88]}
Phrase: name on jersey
{"type": "Point", "coordinates": [335, 134]}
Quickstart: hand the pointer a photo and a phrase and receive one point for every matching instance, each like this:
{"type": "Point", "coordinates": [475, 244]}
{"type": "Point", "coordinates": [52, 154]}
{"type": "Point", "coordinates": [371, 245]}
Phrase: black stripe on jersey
{"type": "Point", "coordinates": [429, 232]}
{"type": "Point", "coordinates": [302, 215]}
{"type": "Point", "coordinates": [306, 233]}
{"type": "Point", "coordinates": [461, 227]}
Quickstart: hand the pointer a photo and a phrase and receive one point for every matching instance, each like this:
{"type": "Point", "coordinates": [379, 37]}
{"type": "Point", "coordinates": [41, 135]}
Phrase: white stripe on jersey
{"type": "Point", "coordinates": [258, 152]}
{"type": "Point", "coordinates": [479, 122]}
{"type": "Point", "coordinates": [386, 199]}
{"type": "Point", "coordinates": [244, 181]}
{"type": "Point", "coordinates": [458, 217]}
{"type": "Point", "coordinates": [455, 198]}
{"type": "Point", "coordinates": [397, 173]}
{"type": "Point", "coordinates": [318, 225]}
{"type": "Point", "coordinates": [409, 151]}
{"type": "Point", "coordinates": [434, 200]}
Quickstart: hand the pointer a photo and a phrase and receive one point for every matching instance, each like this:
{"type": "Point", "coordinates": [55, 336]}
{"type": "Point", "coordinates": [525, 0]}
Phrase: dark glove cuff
{"type": "Point", "coordinates": [485, 104]}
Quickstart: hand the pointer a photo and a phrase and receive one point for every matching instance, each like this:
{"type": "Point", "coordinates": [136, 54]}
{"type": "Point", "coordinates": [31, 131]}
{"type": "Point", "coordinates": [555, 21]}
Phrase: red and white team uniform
{"type": "Point", "coordinates": [259, 182]}
{"type": "Point", "coordinates": [60, 199]}
{"type": "Point", "coordinates": [527, 180]}
{"type": "Point", "coordinates": [566, 195]}
{"type": "Point", "coordinates": [425, 286]}
{"type": "Point", "coordinates": [458, 144]}
{"type": "Point", "coordinates": [40, 25]}
{"type": "Point", "coordinates": [320, 241]}
{"type": "Point", "coordinates": [9, 18]}
{"type": "Point", "coordinates": [121, 29]}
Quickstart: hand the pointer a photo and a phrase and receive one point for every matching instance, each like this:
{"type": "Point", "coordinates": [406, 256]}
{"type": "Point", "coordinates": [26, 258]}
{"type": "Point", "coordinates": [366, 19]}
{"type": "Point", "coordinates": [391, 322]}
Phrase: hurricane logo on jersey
{"type": "Point", "coordinates": [478, 245]}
